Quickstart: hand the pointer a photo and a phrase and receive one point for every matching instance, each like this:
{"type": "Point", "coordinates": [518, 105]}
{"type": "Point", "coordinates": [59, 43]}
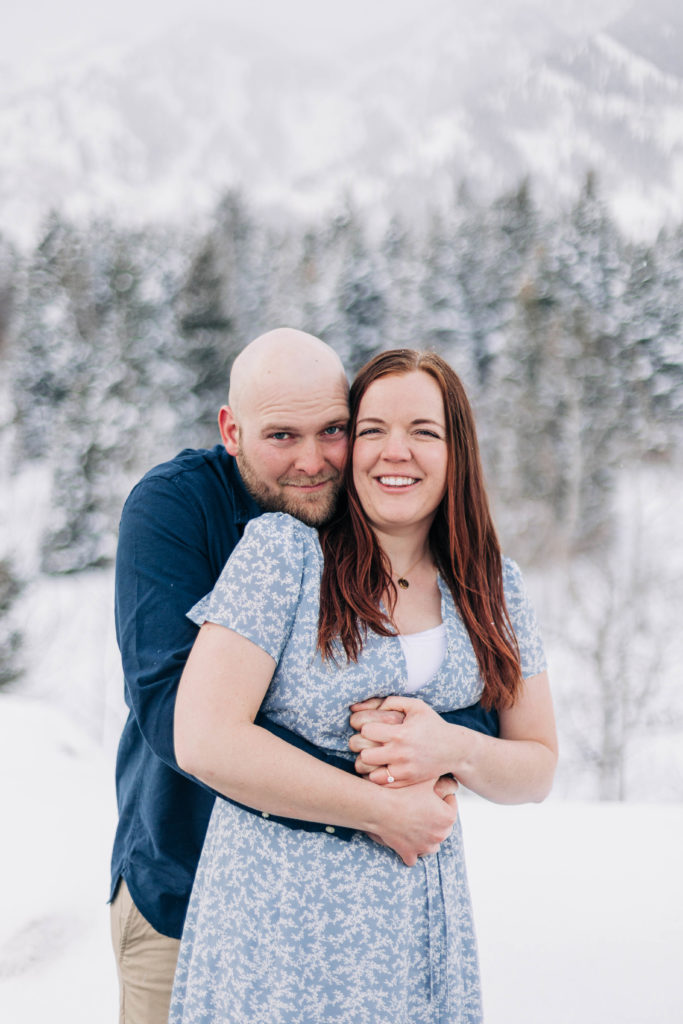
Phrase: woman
{"type": "Point", "coordinates": [403, 592]}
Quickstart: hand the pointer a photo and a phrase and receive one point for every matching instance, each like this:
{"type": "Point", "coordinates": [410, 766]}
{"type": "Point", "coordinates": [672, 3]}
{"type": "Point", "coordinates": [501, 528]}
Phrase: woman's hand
{"type": "Point", "coordinates": [417, 819]}
{"type": "Point", "coordinates": [400, 741]}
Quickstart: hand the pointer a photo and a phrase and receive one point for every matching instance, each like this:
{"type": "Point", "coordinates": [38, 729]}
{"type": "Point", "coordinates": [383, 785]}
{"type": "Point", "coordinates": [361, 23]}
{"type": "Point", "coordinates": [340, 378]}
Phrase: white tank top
{"type": "Point", "coordinates": [424, 653]}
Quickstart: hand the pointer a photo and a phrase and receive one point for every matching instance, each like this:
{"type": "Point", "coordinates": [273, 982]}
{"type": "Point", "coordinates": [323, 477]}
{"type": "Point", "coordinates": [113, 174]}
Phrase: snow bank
{"type": "Point", "coordinates": [578, 905]}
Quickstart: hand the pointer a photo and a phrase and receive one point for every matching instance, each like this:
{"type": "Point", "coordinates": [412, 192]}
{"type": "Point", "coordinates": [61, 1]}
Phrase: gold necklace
{"type": "Point", "coordinates": [402, 581]}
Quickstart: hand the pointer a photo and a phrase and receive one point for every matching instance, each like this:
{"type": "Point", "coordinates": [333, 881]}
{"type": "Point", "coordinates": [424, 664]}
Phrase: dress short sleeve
{"type": "Point", "coordinates": [258, 591]}
{"type": "Point", "coordinates": [523, 618]}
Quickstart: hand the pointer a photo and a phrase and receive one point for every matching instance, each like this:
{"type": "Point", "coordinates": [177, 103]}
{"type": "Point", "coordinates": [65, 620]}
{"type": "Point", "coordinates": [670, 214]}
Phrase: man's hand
{"type": "Point", "coordinates": [417, 819]}
{"type": "Point", "coordinates": [445, 787]}
{"type": "Point", "coordinates": [364, 713]}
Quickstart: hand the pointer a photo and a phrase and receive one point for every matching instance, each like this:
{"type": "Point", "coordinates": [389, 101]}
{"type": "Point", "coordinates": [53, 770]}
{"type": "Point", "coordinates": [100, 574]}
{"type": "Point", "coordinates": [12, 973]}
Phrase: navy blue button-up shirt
{"type": "Point", "coordinates": [178, 528]}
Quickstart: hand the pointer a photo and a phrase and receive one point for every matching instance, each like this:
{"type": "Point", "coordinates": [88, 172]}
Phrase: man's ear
{"type": "Point", "coordinates": [229, 429]}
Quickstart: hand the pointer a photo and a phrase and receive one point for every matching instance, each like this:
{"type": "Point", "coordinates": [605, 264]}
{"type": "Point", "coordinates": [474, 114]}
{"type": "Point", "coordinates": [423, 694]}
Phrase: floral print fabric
{"type": "Point", "coordinates": [289, 927]}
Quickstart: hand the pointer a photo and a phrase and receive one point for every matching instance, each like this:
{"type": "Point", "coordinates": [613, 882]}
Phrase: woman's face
{"type": "Point", "coordinates": [400, 452]}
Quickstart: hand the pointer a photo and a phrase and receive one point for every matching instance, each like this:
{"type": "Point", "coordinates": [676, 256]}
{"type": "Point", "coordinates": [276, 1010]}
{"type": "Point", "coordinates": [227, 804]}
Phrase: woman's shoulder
{"type": "Point", "coordinates": [512, 574]}
{"type": "Point", "coordinates": [280, 531]}
{"type": "Point", "coordinates": [523, 617]}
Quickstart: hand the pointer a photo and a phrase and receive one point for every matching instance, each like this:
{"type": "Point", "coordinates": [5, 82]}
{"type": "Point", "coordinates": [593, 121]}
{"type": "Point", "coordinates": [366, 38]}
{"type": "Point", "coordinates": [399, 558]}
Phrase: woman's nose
{"type": "Point", "coordinates": [396, 447]}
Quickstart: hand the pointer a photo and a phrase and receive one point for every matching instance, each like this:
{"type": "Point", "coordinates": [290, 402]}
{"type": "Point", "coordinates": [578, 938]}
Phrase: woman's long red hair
{"type": "Point", "coordinates": [463, 542]}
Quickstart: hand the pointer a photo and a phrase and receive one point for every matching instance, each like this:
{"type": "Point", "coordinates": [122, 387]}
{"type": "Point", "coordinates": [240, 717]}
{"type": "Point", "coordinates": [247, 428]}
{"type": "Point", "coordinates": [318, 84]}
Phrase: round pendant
{"type": "Point", "coordinates": [403, 583]}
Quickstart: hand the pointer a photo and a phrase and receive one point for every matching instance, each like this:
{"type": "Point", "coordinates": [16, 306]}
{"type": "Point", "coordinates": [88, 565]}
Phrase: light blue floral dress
{"type": "Point", "coordinates": [291, 927]}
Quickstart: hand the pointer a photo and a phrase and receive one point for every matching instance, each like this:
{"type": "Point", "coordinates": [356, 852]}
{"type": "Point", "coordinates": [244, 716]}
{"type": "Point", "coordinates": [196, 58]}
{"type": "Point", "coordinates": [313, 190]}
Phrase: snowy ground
{"type": "Point", "coordinates": [578, 905]}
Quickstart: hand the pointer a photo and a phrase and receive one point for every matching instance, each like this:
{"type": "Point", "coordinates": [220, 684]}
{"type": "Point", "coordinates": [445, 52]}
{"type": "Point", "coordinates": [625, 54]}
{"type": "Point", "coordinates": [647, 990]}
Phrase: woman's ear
{"type": "Point", "coordinates": [227, 424]}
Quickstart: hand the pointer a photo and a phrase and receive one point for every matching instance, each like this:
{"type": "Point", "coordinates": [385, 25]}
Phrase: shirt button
{"type": "Point", "coordinates": [265, 814]}
{"type": "Point", "coordinates": [330, 829]}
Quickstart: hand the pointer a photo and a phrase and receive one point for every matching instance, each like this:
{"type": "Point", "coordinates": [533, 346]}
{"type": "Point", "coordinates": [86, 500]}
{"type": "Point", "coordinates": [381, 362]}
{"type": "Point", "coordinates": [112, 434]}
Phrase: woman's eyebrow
{"type": "Point", "coordinates": [413, 423]}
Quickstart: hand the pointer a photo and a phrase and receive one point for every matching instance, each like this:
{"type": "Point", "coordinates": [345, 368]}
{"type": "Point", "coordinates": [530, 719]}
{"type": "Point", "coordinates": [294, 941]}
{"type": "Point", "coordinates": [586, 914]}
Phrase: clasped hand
{"type": "Point", "coordinates": [397, 740]}
{"type": "Point", "coordinates": [400, 741]}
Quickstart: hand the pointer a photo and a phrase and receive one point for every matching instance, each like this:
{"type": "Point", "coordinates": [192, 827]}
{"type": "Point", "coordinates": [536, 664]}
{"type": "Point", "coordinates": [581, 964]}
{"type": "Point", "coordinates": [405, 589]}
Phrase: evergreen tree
{"type": "Point", "coordinates": [532, 450]}
{"type": "Point", "coordinates": [10, 638]}
{"type": "Point", "coordinates": [653, 360]}
{"type": "Point", "coordinates": [48, 338]}
{"type": "Point", "coordinates": [446, 315]}
{"type": "Point", "coordinates": [401, 276]}
{"type": "Point", "coordinates": [594, 272]}
{"type": "Point", "coordinates": [487, 291]}
{"type": "Point", "coordinates": [106, 426]}
{"type": "Point", "coordinates": [9, 272]}
{"type": "Point", "coordinates": [345, 303]}
{"type": "Point", "coordinates": [219, 307]}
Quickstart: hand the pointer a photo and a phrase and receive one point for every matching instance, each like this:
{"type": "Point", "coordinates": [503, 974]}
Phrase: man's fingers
{"type": "Point", "coordinates": [364, 717]}
{"type": "Point", "coordinates": [358, 743]}
{"type": "Point", "coordinates": [378, 732]}
{"type": "Point", "coordinates": [371, 702]}
{"type": "Point", "coordinates": [373, 754]}
{"type": "Point", "coordinates": [446, 787]}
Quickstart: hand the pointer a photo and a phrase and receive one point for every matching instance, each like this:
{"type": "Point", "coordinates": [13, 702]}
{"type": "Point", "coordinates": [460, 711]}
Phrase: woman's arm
{"type": "Point", "coordinates": [221, 689]}
{"type": "Point", "coordinates": [515, 768]}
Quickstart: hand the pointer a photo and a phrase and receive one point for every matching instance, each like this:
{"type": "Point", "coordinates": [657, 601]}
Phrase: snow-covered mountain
{"type": "Point", "coordinates": [160, 129]}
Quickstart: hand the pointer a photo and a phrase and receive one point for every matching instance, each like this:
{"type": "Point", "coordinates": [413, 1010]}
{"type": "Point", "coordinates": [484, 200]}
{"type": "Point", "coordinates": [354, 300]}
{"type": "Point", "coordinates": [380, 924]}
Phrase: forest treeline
{"type": "Point", "coordinates": [117, 344]}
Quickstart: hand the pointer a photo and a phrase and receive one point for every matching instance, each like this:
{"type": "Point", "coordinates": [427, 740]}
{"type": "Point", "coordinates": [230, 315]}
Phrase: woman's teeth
{"type": "Point", "coordinates": [397, 481]}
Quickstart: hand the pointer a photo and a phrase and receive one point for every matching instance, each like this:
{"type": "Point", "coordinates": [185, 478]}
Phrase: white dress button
{"type": "Point", "coordinates": [265, 814]}
{"type": "Point", "coordinates": [330, 829]}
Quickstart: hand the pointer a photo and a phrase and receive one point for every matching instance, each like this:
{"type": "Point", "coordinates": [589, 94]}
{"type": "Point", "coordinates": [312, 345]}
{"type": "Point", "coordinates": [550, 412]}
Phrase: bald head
{"type": "Point", "coordinates": [285, 359]}
{"type": "Point", "coordinates": [286, 423]}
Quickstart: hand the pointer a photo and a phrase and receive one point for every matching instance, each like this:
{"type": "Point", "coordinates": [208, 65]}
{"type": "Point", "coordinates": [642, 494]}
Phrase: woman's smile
{"type": "Point", "coordinates": [397, 481]}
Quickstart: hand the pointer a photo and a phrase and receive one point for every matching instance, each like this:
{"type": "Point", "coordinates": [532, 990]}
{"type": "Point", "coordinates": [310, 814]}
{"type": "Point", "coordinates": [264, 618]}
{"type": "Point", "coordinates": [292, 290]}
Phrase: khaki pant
{"type": "Point", "coordinates": [145, 960]}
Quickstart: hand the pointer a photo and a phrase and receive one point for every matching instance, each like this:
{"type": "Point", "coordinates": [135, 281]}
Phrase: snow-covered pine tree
{"type": "Point", "coordinates": [10, 638]}
{"type": "Point", "coordinates": [219, 309]}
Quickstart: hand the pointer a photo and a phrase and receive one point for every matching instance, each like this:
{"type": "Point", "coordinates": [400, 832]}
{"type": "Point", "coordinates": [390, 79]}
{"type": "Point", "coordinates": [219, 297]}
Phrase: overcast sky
{"type": "Point", "coordinates": [41, 25]}
{"type": "Point", "coordinates": [32, 29]}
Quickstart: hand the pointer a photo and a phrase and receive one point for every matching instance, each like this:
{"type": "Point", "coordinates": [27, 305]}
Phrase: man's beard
{"type": "Point", "coordinates": [312, 509]}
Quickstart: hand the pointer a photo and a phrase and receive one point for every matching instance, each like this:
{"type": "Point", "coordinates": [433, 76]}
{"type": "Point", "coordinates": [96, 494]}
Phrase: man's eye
{"type": "Point", "coordinates": [334, 431]}
{"type": "Point", "coordinates": [281, 435]}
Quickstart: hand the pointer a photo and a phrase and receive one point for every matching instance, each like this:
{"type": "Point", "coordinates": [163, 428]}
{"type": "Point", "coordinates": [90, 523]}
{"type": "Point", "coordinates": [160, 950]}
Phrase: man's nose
{"type": "Point", "coordinates": [309, 457]}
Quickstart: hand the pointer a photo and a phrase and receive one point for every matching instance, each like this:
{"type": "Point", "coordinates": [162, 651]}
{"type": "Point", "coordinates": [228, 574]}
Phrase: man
{"type": "Point", "coordinates": [284, 445]}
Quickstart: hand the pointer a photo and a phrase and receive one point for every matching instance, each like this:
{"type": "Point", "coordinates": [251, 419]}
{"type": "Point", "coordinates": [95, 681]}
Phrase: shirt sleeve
{"type": "Point", "coordinates": [523, 618]}
{"type": "Point", "coordinates": [258, 592]}
{"type": "Point", "coordinates": [162, 565]}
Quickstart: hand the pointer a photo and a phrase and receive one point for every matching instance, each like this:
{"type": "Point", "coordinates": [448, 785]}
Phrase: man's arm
{"type": "Point", "coordinates": [162, 568]}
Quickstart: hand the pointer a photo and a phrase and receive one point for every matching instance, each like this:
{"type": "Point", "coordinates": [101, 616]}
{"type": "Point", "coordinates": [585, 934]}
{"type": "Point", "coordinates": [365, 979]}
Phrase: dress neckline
{"type": "Point", "coordinates": [425, 633]}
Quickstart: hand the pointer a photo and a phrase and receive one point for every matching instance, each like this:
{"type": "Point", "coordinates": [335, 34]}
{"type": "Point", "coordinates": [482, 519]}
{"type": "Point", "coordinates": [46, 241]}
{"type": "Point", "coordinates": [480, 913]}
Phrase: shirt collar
{"type": "Point", "coordinates": [246, 507]}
